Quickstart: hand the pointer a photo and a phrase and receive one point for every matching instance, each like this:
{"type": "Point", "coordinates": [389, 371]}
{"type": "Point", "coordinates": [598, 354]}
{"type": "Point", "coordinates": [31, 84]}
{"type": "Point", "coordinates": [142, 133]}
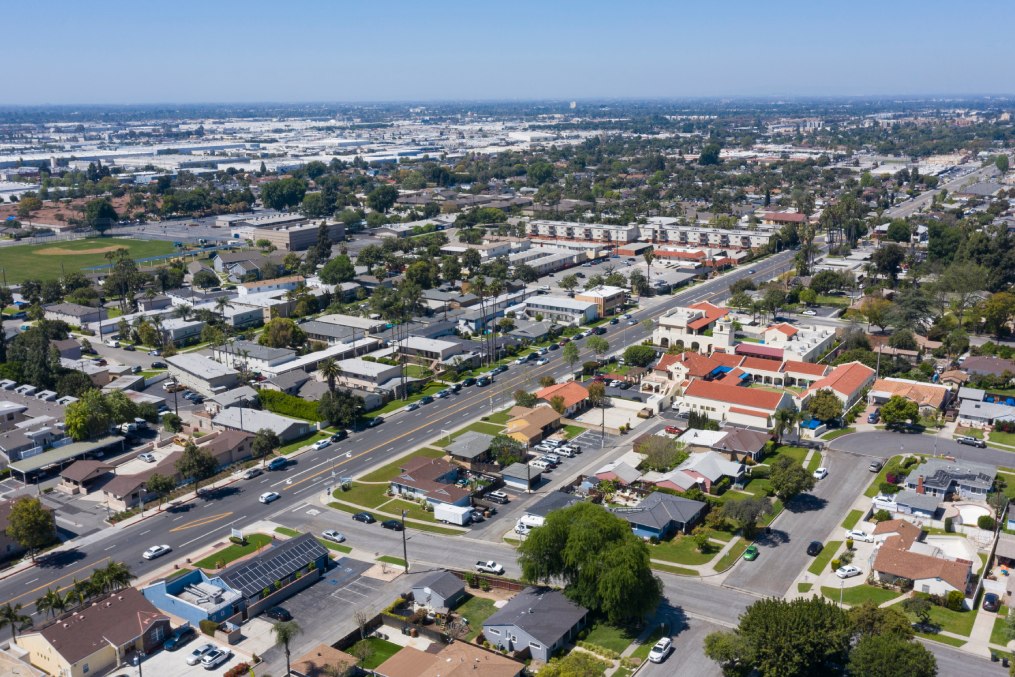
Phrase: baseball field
{"type": "Point", "coordinates": [51, 260]}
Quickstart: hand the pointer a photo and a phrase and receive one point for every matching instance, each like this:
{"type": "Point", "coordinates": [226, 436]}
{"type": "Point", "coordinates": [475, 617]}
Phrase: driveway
{"type": "Point", "coordinates": [809, 517]}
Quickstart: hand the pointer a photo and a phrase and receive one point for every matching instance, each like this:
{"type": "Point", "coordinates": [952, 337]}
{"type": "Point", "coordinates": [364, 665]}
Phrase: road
{"type": "Point", "coordinates": [909, 207]}
{"type": "Point", "coordinates": [809, 517]}
{"type": "Point", "coordinates": [882, 444]}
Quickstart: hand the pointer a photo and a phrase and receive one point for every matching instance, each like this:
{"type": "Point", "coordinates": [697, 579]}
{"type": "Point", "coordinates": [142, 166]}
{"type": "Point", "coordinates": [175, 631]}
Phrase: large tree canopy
{"type": "Point", "coordinates": [602, 563]}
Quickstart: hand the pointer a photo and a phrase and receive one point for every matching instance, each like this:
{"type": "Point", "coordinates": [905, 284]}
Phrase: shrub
{"type": "Point", "coordinates": [884, 516]}
{"type": "Point", "coordinates": [288, 405]}
{"type": "Point", "coordinates": [888, 488]}
{"type": "Point", "coordinates": [484, 585]}
{"type": "Point", "coordinates": [237, 540]}
{"type": "Point", "coordinates": [949, 525]}
{"type": "Point", "coordinates": [836, 563]}
{"type": "Point", "coordinates": [986, 522]}
{"type": "Point", "coordinates": [471, 579]}
{"type": "Point", "coordinates": [208, 627]}
{"type": "Point", "coordinates": [953, 600]}
{"type": "Point", "coordinates": [761, 472]}
{"type": "Point", "coordinates": [849, 544]}
{"type": "Point", "coordinates": [237, 670]}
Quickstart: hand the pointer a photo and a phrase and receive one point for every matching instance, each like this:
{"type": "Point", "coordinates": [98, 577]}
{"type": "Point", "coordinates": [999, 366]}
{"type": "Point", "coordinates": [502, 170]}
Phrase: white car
{"type": "Point", "coordinates": [213, 659]}
{"type": "Point", "coordinates": [809, 313]}
{"type": "Point", "coordinates": [321, 444]}
{"type": "Point", "coordinates": [269, 496]}
{"type": "Point", "coordinates": [521, 360]}
{"type": "Point", "coordinates": [541, 361]}
{"type": "Point", "coordinates": [847, 571]}
{"type": "Point", "coordinates": [858, 535]}
{"type": "Point", "coordinates": [615, 383]}
{"type": "Point", "coordinates": [197, 654]}
{"type": "Point", "coordinates": [156, 551]}
{"type": "Point", "coordinates": [661, 650]}
{"type": "Point", "coordinates": [332, 535]}
{"type": "Point", "coordinates": [821, 473]}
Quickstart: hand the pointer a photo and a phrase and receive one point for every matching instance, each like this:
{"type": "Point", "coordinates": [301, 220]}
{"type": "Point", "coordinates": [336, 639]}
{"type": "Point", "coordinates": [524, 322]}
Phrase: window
{"type": "Point", "coordinates": [493, 631]}
{"type": "Point", "coordinates": [84, 668]}
{"type": "Point", "coordinates": [534, 645]}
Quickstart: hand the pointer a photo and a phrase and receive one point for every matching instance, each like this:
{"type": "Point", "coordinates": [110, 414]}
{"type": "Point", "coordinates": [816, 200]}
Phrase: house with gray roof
{"type": "Point", "coordinates": [438, 591]}
{"type": "Point", "coordinates": [661, 515]}
{"type": "Point", "coordinates": [977, 414]}
{"type": "Point", "coordinates": [908, 502]}
{"type": "Point", "coordinates": [536, 513]}
{"type": "Point", "coordinates": [958, 479]}
{"type": "Point", "coordinates": [74, 314]}
{"type": "Point", "coordinates": [537, 620]}
{"type": "Point", "coordinates": [470, 447]}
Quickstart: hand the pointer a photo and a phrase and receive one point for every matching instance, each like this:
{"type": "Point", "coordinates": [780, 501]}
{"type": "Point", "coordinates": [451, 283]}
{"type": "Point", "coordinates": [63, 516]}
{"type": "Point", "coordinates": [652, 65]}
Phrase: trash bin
{"type": "Point", "coordinates": [1004, 661]}
{"type": "Point", "coordinates": [993, 657]}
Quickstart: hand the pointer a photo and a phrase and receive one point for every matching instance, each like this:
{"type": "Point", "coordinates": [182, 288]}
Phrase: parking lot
{"type": "Point", "coordinates": [175, 662]}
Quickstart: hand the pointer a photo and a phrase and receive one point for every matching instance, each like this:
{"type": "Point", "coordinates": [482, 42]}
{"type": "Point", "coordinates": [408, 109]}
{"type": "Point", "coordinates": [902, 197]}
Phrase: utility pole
{"type": "Point", "coordinates": [405, 550]}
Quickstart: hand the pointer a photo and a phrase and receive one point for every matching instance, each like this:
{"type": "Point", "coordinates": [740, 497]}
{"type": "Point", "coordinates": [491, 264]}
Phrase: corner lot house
{"type": "Point", "coordinates": [846, 381]}
{"type": "Point", "coordinates": [539, 620]}
{"type": "Point", "coordinates": [574, 396]}
{"type": "Point", "coordinates": [98, 637]}
{"type": "Point", "coordinates": [929, 397]}
{"type": "Point", "coordinates": [662, 515]}
{"type": "Point", "coordinates": [958, 479]}
{"type": "Point", "coordinates": [432, 479]}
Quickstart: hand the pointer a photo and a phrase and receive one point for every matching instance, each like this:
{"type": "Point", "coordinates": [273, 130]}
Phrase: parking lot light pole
{"type": "Point", "coordinates": [405, 549]}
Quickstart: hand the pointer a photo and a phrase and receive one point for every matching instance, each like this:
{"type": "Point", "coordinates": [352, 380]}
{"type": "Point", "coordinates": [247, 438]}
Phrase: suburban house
{"type": "Point", "coordinates": [661, 515]}
{"type": "Point", "coordinates": [432, 479]}
{"type": "Point", "coordinates": [740, 444]}
{"type": "Point", "coordinates": [957, 479]}
{"type": "Point", "coordinates": [901, 559]}
{"type": "Point", "coordinates": [699, 471]}
{"type": "Point", "coordinates": [202, 374]}
{"type": "Point", "coordinates": [696, 327]}
{"type": "Point", "coordinates": [470, 447]}
{"type": "Point", "coordinates": [931, 398]}
{"type": "Point", "coordinates": [562, 309]}
{"type": "Point", "coordinates": [74, 314]}
{"type": "Point", "coordinates": [282, 284]}
{"type": "Point", "coordinates": [574, 397]}
{"type": "Point", "coordinates": [535, 514]}
{"type": "Point", "coordinates": [458, 659]}
{"type": "Point", "coordinates": [357, 373]}
{"type": "Point", "coordinates": [253, 356]}
{"type": "Point", "coordinates": [537, 620]}
{"type": "Point", "coordinates": [438, 591]}
{"type": "Point", "coordinates": [618, 471]}
{"type": "Point", "coordinates": [521, 476]}
{"type": "Point", "coordinates": [252, 420]}
{"type": "Point", "coordinates": [847, 381]}
{"type": "Point", "coordinates": [98, 637]}
{"type": "Point", "coordinates": [984, 365]}
{"type": "Point", "coordinates": [979, 414]}
{"type": "Point", "coordinates": [734, 404]}
{"type": "Point", "coordinates": [531, 425]}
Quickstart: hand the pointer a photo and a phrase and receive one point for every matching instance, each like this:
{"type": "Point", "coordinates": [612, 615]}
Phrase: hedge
{"type": "Point", "coordinates": [288, 405]}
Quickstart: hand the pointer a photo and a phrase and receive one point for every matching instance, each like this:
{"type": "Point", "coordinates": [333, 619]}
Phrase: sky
{"type": "Point", "coordinates": [225, 51]}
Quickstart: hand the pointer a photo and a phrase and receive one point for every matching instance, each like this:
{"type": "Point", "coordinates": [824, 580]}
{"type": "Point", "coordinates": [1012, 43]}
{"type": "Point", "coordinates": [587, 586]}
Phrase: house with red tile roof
{"type": "Point", "coordinates": [847, 381]}
{"type": "Point", "coordinates": [929, 397]}
{"type": "Point", "coordinates": [901, 558]}
{"type": "Point", "coordinates": [574, 396]}
{"type": "Point", "coordinates": [701, 327]}
{"type": "Point", "coordinates": [724, 401]}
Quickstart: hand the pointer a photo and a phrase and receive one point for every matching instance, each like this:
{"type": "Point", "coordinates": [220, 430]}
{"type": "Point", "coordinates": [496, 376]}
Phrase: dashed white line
{"type": "Point", "coordinates": [110, 548]}
{"type": "Point", "coordinates": [31, 581]}
{"type": "Point", "coordinates": [144, 532]}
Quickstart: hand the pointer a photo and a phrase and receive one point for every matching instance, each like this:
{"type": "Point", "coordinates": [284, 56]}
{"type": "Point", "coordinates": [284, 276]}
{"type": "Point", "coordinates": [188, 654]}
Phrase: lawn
{"type": "Point", "coordinates": [893, 465]}
{"type": "Point", "coordinates": [859, 594]}
{"type": "Point", "coordinates": [798, 454]}
{"type": "Point", "coordinates": [731, 557]}
{"type": "Point", "coordinates": [609, 637]}
{"type": "Point", "coordinates": [500, 418]}
{"type": "Point", "coordinates": [389, 559]}
{"type": "Point", "coordinates": [804, 587]}
{"type": "Point", "coordinates": [1009, 478]}
{"type": "Point", "coordinates": [955, 622]}
{"type": "Point", "coordinates": [395, 405]}
{"type": "Point", "coordinates": [679, 571]}
{"type": "Point", "coordinates": [815, 462]}
{"type": "Point", "coordinates": [286, 531]}
{"type": "Point", "coordinates": [852, 518]}
{"type": "Point", "coordinates": [477, 610]}
{"type": "Point", "coordinates": [573, 431]}
{"type": "Point", "coordinates": [944, 639]}
{"type": "Point", "coordinates": [1007, 439]}
{"type": "Point", "coordinates": [820, 563]}
{"type": "Point", "coordinates": [999, 635]}
{"type": "Point", "coordinates": [367, 495]}
{"type": "Point", "coordinates": [681, 550]}
{"type": "Point", "coordinates": [838, 433]}
{"type": "Point", "coordinates": [330, 545]}
{"type": "Point", "coordinates": [386, 472]}
{"type": "Point", "coordinates": [233, 552]}
{"type": "Point", "coordinates": [49, 261]}
{"type": "Point", "coordinates": [646, 646]}
{"type": "Point", "coordinates": [305, 442]}
{"type": "Point", "coordinates": [478, 426]}
{"type": "Point", "coordinates": [380, 651]}
{"type": "Point", "coordinates": [971, 432]}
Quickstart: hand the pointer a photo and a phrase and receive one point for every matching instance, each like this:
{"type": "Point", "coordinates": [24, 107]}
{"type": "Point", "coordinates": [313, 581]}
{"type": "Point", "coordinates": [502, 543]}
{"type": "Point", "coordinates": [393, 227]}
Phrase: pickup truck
{"type": "Point", "coordinates": [489, 567]}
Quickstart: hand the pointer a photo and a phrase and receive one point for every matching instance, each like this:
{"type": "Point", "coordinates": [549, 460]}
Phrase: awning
{"type": "Point", "coordinates": [59, 455]}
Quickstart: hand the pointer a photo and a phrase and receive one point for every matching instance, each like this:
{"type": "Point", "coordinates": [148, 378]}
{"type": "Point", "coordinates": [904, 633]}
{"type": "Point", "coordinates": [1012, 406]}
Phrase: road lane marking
{"type": "Point", "coordinates": [201, 521]}
{"type": "Point", "coordinates": [144, 532]}
{"type": "Point", "coordinates": [109, 548]}
{"type": "Point", "coordinates": [208, 533]}
{"type": "Point", "coordinates": [67, 575]}
{"type": "Point", "coordinates": [31, 581]}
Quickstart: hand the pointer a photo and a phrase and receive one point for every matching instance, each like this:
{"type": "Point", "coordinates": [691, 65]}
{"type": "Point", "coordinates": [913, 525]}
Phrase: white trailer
{"type": "Point", "coordinates": [452, 514]}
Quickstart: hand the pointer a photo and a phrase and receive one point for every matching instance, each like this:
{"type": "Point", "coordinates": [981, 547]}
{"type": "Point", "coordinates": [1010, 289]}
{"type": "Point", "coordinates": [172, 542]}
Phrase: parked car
{"type": "Point", "coordinates": [821, 473]}
{"type": "Point", "coordinates": [991, 602]}
{"type": "Point", "coordinates": [814, 548]}
{"type": "Point", "coordinates": [847, 571]}
{"type": "Point", "coordinates": [873, 417]}
{"type": "Point", "coordinates": [971, 441]}
{"type": "Point", "coordinates": [375, 421]}
{"type": "Point", "coordinates": [469, 382]}
{"type": "Point", "coordinates": [198, 653]}
{"type": "Point", "coordinates": [394, 525]}
{"type": "Point", "coordinates": [278, 463]}
{"type": "Point", "coordinates": [340, 435]}
{"type": "Point", "coordinates": [614, 321]}
{"type": "Point", "coordinates": [751, 553]}
{"type": "Point", "coordinates": [426, 399]}
{"type": "Point", "coordinates": [673, 430]}
{"type": "Point", "coordinates": [278, 613]}
{"type": "Point", "coordinates": [482, 382]}
{"type": "Point", "coordinates": [875, 466]}
{"type": "Point", "coordinates": [156, 551]}
{"type": "Point", "coordinates": [322, 444]}
{"type": "Point", "coordinates": [809, 313]}
{"type": "Point", "coordinates": [541, 361]}
{"type": "Point", "coordinates": [158, 365]}
{"type": "Point", "coordinates": [147, 457]}
{"type": "Point", "coordinates": [554, 346]}
{"type": "Point", "coordinates": [251, 473]}
{"type": "Point", "coordinates": [180, 636]}
{"type": "Point", "coordinates": [858, 535]}
{"type": "Point", "coordinates": [661, 650]}
{"type": "Point", "coordinates": [364, 517]}
{"type": "Point", "coordinates": [333, 536]}
{"type": "Point", "coordinates": [269, 496]}
{"type": "Point", "coordinates": [215, 658]}
{"type": "Point", "coordinates": [498, 497]}
{"type": "Point", "coordinates": [413, 406]}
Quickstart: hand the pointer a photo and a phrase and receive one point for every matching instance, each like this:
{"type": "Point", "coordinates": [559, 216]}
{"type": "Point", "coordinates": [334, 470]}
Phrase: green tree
{"type": "Point", "coordinates": [570, 354]}
{"type": "Point", "coordinates": [88, 417]}
{"type": "Point", "coordinates": [898, 231]}
{"type": "Point", "coordinates": [524, 398]}
{"type": "Point", "coordinates": [919, 607]}
{"type": "Point", "coordinates": [161, 486]}
{"type": "Point", "coordinates": [31, 524]}
{"type": "Point", "coordinates": [824, 405]}
{"type": "Point", "coordinates": [100, 215]}
{"type": "Point", "coordinates": [196, 464]}
{"type": "Point", "coordinates": [52, 603]}
{"type": "Point", "coordinates": [10, 615]}
{"type": "Point", "coordinates": [314, 206]}
{"type": "Point", "coordinates": [1001, 162]}
{"type": "Point", "coordinates": [337, 270]}
{"type": "Point", "coordinates": [285, 632]}
{"type": "Point", "coordinates": [172, 422]}
{"type": "Point", "coordinates": [205, 279]}
{"type": "Point", "coordinates": [569, 282]}
{"type": "Point", "coordinates": [661, 453]}
{"type": "Point", "coordinates": [785, 418]}
{"type": "Point", "coordinates": [639, 356]}
{"type": "Point", "coordinates": [574, 664]}
{"type": "Point", "coordinates": [283, 193]}
{"type": "Point", "coordinates": [877, 311]}
{"type": "Point", "coordinates": [899, 410]}
{"type": "Point", "coordinates": [330, 371]}
{"type": "Point", "coordinates": [382, 198]}
{"type": "Point", "coordinates": [282, 332]}
{"type": "Point", "coordinates": [340, 408]}
{"type": "Point", "coordinates": [709, 154]}
{"type": "Point", "coordinates": [888, 656]}
{"type": "Point", "coordinates": [265, 443]}
{"type": "Point", "coordinates": [507, 450]}
{"type": "Point", "coordinates": [747, 513]}
{"type": "Point", "coordinates": [604, 566]}
{"type": "Point", "coordinates": [808, 297]}
{"type": "Point", "coordinates": [887, 260]}
{"type": "Point", "coordinates": [997, 311]}
{"type": "Point", "coordinates": [788, 478]}
{"type": "Point", "coordinates": [870, 620]}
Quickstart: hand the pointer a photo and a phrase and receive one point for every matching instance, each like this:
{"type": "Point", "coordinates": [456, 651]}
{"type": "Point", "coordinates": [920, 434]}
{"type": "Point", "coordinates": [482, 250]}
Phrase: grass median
{"type": "Point", "coordinates": [820, 563]}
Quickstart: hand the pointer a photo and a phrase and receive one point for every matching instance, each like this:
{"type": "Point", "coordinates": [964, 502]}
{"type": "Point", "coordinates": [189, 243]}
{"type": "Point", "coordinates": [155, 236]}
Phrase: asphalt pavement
{"type": "Point", "coordinates": [883, 444]}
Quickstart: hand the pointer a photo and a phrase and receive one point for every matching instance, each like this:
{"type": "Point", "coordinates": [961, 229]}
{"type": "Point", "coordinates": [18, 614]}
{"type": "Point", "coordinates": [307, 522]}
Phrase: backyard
{"type": "Point", "coordinates": [476, 610]}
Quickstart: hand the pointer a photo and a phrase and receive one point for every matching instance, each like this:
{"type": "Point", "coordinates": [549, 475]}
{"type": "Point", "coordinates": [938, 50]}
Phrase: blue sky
{"type": "Point", "coordinates": [387, 50]}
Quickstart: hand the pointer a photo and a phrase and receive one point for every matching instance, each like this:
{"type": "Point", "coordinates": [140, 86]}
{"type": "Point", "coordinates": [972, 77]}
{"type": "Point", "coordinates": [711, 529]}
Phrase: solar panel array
{"type": "Point", "coordinates": [281, 561]}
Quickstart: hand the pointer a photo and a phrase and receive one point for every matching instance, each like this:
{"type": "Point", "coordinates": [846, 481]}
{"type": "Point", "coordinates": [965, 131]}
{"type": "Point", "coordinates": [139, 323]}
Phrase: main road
{"type": "Point", "coordinates": [209, 518]}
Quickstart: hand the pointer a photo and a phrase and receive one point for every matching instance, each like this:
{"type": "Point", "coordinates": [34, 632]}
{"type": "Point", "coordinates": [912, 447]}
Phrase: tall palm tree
{"type": "Point", "coordinates": [649, 258]}
{"type": "Point", "coordinates": [12, 616]}
{"type": "Point", "coordinates": [221, 303]}
{"type": "Point", "coordinates": [52, 602]}
{"type": "Point", "coordinates": [183, 311]}
{"type": "Point", "coordinates": [285, 632]}
{"type": "Point", "coordinates": [330, 371]}
{"type": "Point", "coordinates": [117, 575]}
{"type": "Point", "coordinates": [785, 418]}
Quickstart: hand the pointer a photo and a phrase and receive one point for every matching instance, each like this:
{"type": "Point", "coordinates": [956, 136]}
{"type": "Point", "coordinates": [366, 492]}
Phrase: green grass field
{"type": "Point", "coordinates": [51, 260]}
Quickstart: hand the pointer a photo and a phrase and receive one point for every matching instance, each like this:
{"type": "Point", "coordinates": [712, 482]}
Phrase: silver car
{"type": "Point", "coordinates": [198, 653]}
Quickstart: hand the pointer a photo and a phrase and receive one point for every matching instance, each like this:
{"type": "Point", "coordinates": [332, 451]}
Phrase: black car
{"type": "Point", "coordinates": [375, 421]}
{"type": "Point", "coordinates": [456, 388]}
{"type": "Point", "coordinates": [599, 331]}
{"type": "Point", "coordinates": [614, 321]}
{"type": "Point", "coordinates": [991, 602]}
{"type": "Point", "coordinates": [278, 613]}
{"type": "Point", "coordinates": [158, 365]}
{"type": "Point", "coordinates": [554, 346]}
{"type": "Point", "coordinates": [499, 370]}
{"type": "Point", "coordinates": [394, 525]}
{"type": "Point", "coordinates": [180, 636]}
{"type": "Point", "coordinates": [340, 435]}
{"type": "Point", "coordinates": [364, 517]}
{"type": "Point", "coordinates": [814, 548]}
{"type": "Point", "coordinates": [129, 348]}
{"type": "Point", "coordinates": [469, 382]}
{"type": "Point", "coordinates": [482, 382]}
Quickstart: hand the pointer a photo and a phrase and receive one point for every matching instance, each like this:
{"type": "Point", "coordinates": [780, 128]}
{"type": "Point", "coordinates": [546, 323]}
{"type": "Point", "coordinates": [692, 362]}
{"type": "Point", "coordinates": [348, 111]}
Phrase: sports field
{"type": "Point", "coordinates": [51, 260]}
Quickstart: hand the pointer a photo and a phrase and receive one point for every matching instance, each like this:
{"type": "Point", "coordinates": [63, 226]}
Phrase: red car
{"type": "Point", "coordinates": [673, 430]}
{"type": "Point", "coordinates": [564, 341]}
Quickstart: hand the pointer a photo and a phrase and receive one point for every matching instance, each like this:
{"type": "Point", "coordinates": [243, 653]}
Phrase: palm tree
{"type": "Point", "coordinates": [330, 371]}
{"type": "Point", "coordinates": [183, 311]}
{"type": "Point", "coordinates": [117, 575]}
{"type": "Point", "coordinates": [80, 592]}
{"type": "Point", "coordinates": [285, 632]}
{"type": "Point", "coordinates": [12, 616]}
{"type": "Point", "coordinates": [52, 602]}
{"type": "Point", "coordinates": [784, 419]}
{"type": "Point", "coordinates": [649, 257]}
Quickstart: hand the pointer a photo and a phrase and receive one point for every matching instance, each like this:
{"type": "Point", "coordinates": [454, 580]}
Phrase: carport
{"type": "Point", "coordinates": [59, 457]}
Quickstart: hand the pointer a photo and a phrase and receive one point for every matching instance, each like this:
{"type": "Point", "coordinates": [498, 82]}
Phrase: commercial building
{"type": "Point", "coordinates": [253, 356]}
{"type": "Point", "coordinates": [752, 407]}
{"type": "Point", "coordinates": [609, 300]}
{"type": "Point", "coordinates": [202, 374]}
{"type": "Point", "coordinates": [592, 232]}
{"type": "Point", "coordinates": [74, 314]}
{"type": "Point", "coordinates": [562, 309]}
{"type": "Point", "coordinates": [701, 327]}
{"type": "Point", "coordinates": [296, 237]}
{"type": "Point", "coordinates": [252, 420]}
{"type": "Point", "coordinates": [359, 373]}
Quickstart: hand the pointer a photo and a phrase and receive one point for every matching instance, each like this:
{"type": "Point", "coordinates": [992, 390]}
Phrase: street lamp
{"type": "Point", "coordinates": [138, 657]}
{"type": "Point", "coordinates": [405, 550]}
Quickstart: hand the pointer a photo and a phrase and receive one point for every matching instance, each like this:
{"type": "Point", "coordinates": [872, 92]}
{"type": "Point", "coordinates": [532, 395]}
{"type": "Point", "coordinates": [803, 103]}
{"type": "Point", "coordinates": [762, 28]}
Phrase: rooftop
{"type": "Point", "coordinates": [201, 366]}
{"type": "Point", "coordinates": [280, 560]}
{"type": "Point", "coordinates": [545, 614]}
